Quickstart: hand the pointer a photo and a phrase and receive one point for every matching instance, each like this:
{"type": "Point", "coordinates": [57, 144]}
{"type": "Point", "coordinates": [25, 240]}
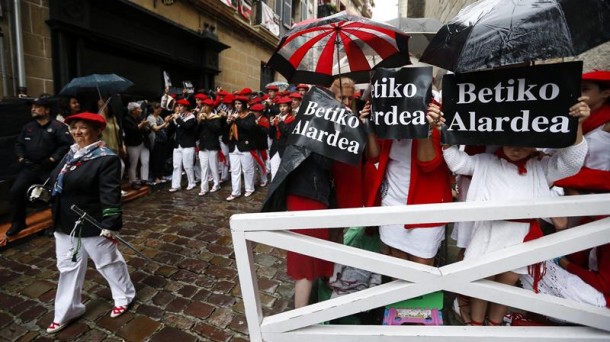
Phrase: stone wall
{"type": "Point", "coordinates": [36, 46]}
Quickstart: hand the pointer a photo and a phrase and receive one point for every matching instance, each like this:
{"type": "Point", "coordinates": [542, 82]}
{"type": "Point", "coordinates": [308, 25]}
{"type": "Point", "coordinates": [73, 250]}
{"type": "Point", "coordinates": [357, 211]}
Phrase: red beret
{"type": "Point", "coordinates": [201, 96]}
{"type": "Point", "coordinates": [265, 97]}
{"type": "Point", "coordinates": [285, 100]}
{"type": "Point", "coordinates": [255, 100]}
{"type": "Point", "coordinates": [296, 96]}
{"type": "Point", "coordinates": [223, 92]}
{"type": "Point", "coordinates": [242, 99]}
{"type": "Point", "coordinates": [208, 102]}
{"type": "Point", "coordinates": [257, 107]}
{"type": "Point", "coordinates": [173, 96]}
{"type": "Point", "coordinates": [273, 87]}
{"type": "Point", "coordinates": [302, 86]}
{"type": "Point", "coordinates": [597, 76]}
{"type": "Point", "coordinates": [183, 102]}
{"type": "Point", "coordinates": [228, 98]}
{"type": "Point", "coordinates": [92, 118]}
{"type": "Point", "coordinates": [245, 91]}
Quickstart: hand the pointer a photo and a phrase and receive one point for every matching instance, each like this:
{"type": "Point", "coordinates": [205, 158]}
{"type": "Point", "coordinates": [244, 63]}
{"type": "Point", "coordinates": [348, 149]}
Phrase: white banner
{"type": "Point", "coordinates": [268, 19]}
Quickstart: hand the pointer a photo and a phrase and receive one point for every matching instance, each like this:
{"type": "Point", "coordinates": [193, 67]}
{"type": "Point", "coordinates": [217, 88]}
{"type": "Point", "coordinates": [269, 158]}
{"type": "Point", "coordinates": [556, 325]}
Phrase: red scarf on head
{"type": "Point", "coordinates": [519, 163]}
{"type": "Point", "coordinates": [600, 117]}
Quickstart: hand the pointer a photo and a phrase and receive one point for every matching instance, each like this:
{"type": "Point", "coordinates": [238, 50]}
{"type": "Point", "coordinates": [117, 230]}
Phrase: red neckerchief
{"type": "Point", "coordinates": [600, 117]}
{"type": "Point", "coordinates": [519, 163]}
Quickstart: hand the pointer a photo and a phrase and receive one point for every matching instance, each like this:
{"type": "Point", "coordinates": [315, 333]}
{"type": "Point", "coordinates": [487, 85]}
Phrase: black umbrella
{"type": "Point", "coordinates": [104, 84]}
{"type": "Point", "coordinates": [491, 33]}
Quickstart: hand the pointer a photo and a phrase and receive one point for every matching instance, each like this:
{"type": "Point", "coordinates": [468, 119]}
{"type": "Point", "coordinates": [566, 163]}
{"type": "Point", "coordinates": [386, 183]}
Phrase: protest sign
{"type": "Point", "coordinates": [327, 127]}
{"type": "Point", "coordinates": [399, 99]}
{"type": "Point", "coordinates": [521, 106]}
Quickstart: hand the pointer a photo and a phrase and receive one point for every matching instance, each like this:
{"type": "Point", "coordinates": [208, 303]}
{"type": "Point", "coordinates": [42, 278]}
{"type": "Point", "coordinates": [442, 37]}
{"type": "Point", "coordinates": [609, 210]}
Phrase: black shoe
{"type": "Point", "coordinates": [15, 229]}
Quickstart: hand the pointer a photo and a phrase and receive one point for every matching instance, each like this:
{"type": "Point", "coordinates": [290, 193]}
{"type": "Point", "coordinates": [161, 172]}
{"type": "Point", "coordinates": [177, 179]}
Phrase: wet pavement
{"type": "Point", "coordinates": [191, 294]}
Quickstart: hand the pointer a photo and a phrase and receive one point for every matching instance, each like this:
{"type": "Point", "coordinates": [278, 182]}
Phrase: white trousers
{"type": "Point", "coordinates": [142, 154]}
{"type": "Point", "coordinates": [241, 162]}
{"type": "Point", "coordinates": [183, 157]}
{"type": "Point", "coordinates": [108, 261]}
{"type": "Point", "coordinates": [275, 164]}
{"type": "Point", "coordinates": [208, 160]}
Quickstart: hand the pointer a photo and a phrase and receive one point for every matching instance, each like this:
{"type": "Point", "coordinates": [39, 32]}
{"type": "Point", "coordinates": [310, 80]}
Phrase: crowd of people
{"type": "Point", "coordinates": [213, 136]}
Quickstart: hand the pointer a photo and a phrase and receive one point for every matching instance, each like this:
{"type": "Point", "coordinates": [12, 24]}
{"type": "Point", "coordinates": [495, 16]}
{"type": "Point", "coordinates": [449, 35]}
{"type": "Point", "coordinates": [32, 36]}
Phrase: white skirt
{"type": "Point", "coordinates": [421, 242]}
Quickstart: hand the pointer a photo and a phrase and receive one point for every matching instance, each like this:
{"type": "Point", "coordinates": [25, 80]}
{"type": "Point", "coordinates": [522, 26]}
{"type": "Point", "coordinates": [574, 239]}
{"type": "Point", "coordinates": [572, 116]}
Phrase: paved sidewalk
{"type": "Point", "coordinates": [192, 294]}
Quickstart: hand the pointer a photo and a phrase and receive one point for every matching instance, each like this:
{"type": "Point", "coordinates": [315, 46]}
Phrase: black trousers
{"type": "Point", "coordinates": [25, 178]}
{"type": "Point", "coordinates": [158, 156]}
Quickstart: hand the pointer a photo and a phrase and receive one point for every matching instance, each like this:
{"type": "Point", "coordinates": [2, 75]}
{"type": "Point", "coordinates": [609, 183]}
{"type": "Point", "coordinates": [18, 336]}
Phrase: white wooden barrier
{"type": "Point", "coordinates": [464, 277]}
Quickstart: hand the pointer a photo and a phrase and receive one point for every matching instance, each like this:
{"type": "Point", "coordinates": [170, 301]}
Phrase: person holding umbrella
{"type": "Point", "coordinates": [92, 166]}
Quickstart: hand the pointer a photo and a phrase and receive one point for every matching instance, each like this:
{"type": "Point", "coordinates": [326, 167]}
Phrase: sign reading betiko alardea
{"type": "Point", "coordinates": [521, 106]}
{"type": "Point", "coordinates": [399, 100]}
{"type": "Point", "coordinates": [326, 126]}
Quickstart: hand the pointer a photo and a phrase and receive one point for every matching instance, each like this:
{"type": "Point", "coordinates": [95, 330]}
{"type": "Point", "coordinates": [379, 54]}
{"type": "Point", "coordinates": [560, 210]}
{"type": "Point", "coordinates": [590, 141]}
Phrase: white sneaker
{"type": "Point", "coordinates": [124, 193]}
{"type": "Point", "coordinates": [202, 193]}
{"type": "Point", "coordinates": [190, 187]}
{"type": "Point", "coordinates": [231, 197]}
{"type": "Point", "coordinates": [248, 193]}
{"type": "Point", "coordinates": [215, 188]}
{"type": "Point", "coordinates": [174, 189]}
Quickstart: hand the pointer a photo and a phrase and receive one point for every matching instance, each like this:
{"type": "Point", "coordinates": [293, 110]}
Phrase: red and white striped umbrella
{"type": "Point", "coordinates": [317, 51]}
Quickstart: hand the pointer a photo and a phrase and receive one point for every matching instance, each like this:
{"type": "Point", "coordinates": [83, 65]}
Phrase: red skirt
{"type": "Point", "coordinates": [301, 266]}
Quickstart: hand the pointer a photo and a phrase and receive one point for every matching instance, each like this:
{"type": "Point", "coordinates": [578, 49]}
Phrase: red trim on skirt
{"type": "Point", "coordinates": [301, 266]}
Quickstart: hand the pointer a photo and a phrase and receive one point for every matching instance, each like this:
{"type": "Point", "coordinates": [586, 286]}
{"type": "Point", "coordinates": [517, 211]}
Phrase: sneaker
{"type": "Point", "coordinates": [248, 193]}
{"type": "Point", "coordinates": [55, 327]}
{"type": "Point", "coordinates": [190, 187]}
{"type": "Point", "coordinates": [117, 311]}
{"type": "Point", "coordinates": [202, 193]}
{"type": "Point", "coordinates": [136, 185]}
{"type": "Point", "coordinates": [174, 189]}
{"type": "Point", "coordinates": [231, 197]}
{"type": "Point", "coordinates": [124, 193]}
{"type": "Point", "coordinates": [215, 188]}
{"type": "Point", "coordinates": [15, 229]}
{"type": "Point", "coordinates": [263, 184]}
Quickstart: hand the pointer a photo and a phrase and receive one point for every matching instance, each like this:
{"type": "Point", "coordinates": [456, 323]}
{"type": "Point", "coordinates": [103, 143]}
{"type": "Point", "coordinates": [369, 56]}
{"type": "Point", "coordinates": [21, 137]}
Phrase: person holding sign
{"type": "Point", "coordinates": [281, 127]}
{"type": "Point", "coordinates": [511, 173]}
{"type": "Point", "coordinates": [411, 171]}
{"type": "Point", "coordinates": [242, 126]}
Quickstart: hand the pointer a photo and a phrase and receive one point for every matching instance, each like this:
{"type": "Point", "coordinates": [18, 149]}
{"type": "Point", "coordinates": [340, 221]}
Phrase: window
{"type": "Point", "coordinates": [267, 75]}
{"type": "Point", "coordinates": [287, 13]}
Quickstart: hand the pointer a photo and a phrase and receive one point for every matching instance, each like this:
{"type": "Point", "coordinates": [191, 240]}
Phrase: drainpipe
{"type": "Point", "coordinates": [22, 89]}
{"type": "Point", "coordinates": [3, 67]}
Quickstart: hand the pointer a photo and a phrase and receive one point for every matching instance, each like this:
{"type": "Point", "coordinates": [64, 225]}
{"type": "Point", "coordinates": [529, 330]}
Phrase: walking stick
{"type": "Point", "coordinates": [84, 216]}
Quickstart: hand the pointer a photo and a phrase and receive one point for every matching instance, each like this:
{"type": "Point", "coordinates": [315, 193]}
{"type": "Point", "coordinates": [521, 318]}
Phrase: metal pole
{"type": "Point", "coordinates": [22, 87]}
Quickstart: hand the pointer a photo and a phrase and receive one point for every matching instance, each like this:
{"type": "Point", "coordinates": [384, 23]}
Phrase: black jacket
{"type": "Point", "coordinates": [133, 134]}
{"type": "Point", "coordinates": [279, 145]}
{"type": "Point", "coordinates": [38, 143]}
{"type": "Point", "coordinates": [209, 132]}
{"type": "Point", "coordinates": [95, 187]}
{"type": "Point", "coordinates": [303, 173]}
{"type": "Point", "coordinates": [186, 131]}
{"type": "Point", "coordinates": [246, 129]}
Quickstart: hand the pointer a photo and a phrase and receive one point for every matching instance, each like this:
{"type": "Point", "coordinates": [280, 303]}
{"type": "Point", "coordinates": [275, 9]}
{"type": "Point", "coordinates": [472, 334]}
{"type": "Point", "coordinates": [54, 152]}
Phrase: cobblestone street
{"type": "Point", "coordinates": [191, 294]}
